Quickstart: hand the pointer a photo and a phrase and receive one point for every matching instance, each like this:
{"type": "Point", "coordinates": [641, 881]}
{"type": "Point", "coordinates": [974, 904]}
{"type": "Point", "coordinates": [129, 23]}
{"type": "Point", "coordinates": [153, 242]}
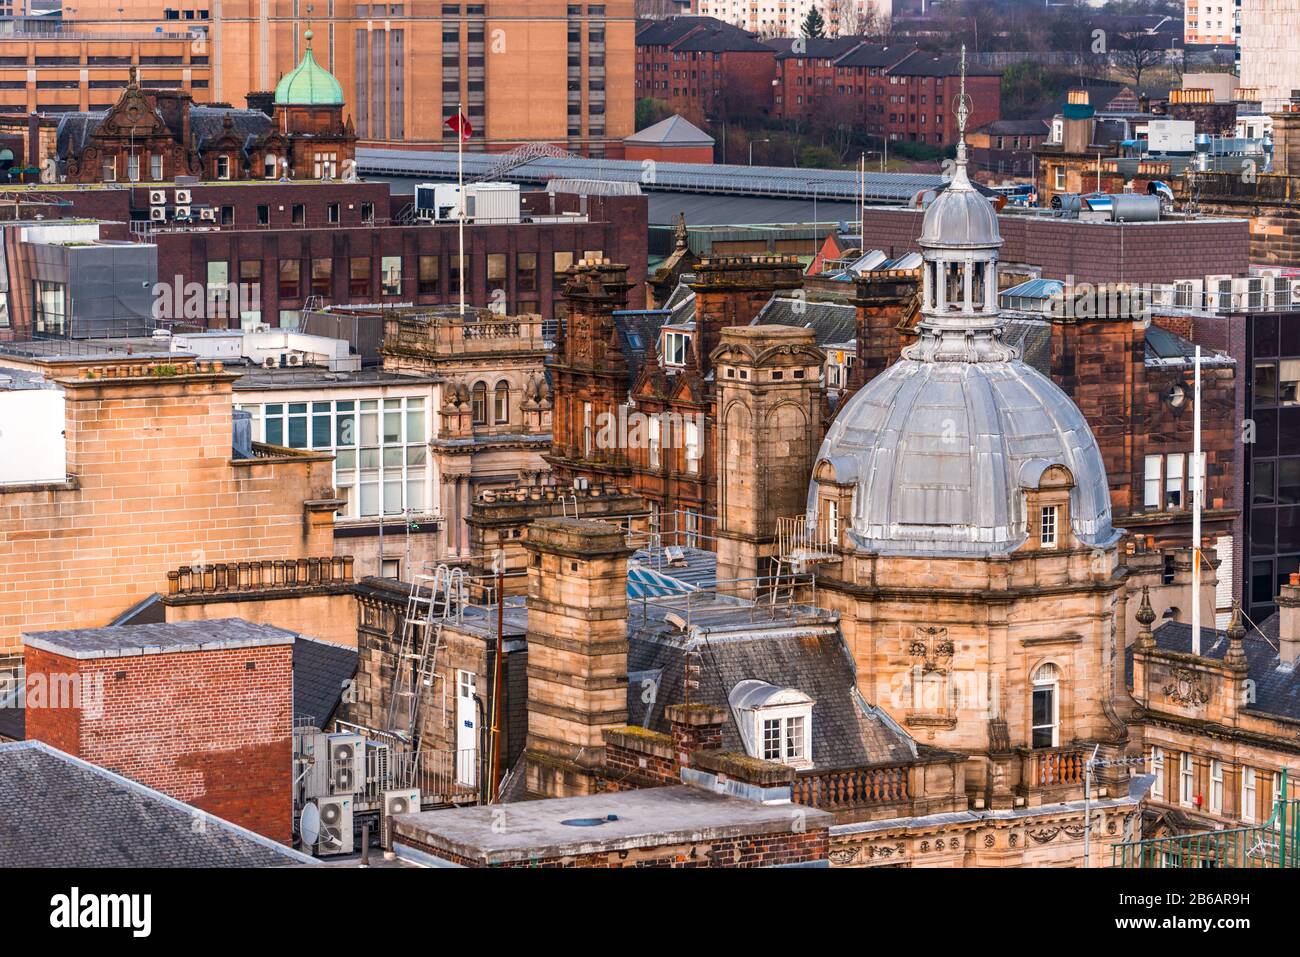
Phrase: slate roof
{"type": "Point", "coordinates": [821, 48]}
{"type": "Point", "coordinates": [727, 39]}
{"type": "Point", "coordinates": [672, 29]}
{"type": "Point", "coordinates": [921, 63]}
{"type": "Point", "coordinates": [59, 811]}
{"type": "Point", "coordinates": [1033, 338]}
{"type": "Point", "coordinates": [1277, 686]}
{"type": "Point", "coordinates": [847, 732]}
{"type": "Point", "coordinates": [321, 671]}
{"type": "Point", "coordinates": [870, 54]}
{"type": "Point", "coordinates": [674, 131]}
{"type": "Point", "coordinates": [74, 130]}
{"type": "Point", "coordinates": [638, 331]}
{"type": "Point", "coordinates": [832, 323]}
{"type": "Point", "coordinates": [207, 123]}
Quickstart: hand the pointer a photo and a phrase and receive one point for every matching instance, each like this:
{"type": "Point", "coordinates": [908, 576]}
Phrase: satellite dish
{"type": "Point", "coordinates": [309, 823]}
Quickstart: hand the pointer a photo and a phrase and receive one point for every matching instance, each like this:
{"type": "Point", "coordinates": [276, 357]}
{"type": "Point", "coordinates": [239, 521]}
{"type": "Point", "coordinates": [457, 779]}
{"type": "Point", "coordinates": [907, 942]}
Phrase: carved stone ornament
{"type": "Point", "coordinates": [1186, 688]}
{"type": "Point", "coordinates": [932, 648]}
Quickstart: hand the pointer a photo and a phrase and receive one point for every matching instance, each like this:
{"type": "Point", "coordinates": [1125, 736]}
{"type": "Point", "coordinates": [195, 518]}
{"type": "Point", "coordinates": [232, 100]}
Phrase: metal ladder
{"type": "Point", "coordinates": [417, 656]}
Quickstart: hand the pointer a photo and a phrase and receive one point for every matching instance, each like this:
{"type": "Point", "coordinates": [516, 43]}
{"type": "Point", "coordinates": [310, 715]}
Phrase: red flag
{"type": "Point", "coordinates": [460, 124]}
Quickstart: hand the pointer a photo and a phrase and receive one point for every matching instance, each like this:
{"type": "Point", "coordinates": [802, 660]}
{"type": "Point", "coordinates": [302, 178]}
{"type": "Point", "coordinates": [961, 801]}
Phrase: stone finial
{"type": "Point", "coordinates": [1145, 616]}
{"type": "Point", "coordinates": [1235, 657]}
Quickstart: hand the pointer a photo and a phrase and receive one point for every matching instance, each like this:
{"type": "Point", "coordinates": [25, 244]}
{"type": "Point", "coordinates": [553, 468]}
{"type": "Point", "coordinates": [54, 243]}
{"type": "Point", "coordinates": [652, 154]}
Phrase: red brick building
{"type": "Point", "coordinates": [704, 68]}
{"type": "Point", "coordinates": [843, 78]}
{"type": "Point", "coordinates": [921, 95]}
{"type": "Point", "coordinates": [202, 711]}
{"type": "Point", "coordinates": [337, 243]}
{"type": "Point", "coordinates": [299, 132]}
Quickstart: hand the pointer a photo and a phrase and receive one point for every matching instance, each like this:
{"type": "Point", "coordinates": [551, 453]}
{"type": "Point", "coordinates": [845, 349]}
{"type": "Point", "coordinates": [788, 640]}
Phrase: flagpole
{"type": "Point", "coordinates": [1198, 484]}
{"type": "Point", "coordinates": [460, 192]}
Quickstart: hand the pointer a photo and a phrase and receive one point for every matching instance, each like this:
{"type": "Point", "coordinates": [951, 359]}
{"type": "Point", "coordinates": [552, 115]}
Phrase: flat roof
{"type": "Point", "coordinates": [120, 641]}
{"type": "Point", "coordinates": [256, 378]}
{"type": "Point", "coordinates": [647, 817]}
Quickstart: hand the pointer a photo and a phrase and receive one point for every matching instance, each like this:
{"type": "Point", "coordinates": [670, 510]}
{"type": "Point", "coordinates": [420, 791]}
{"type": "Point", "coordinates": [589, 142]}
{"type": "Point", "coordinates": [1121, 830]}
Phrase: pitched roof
{"type": "Point", "coordinates": [672, 29]}
{"type": "Point", "coordinates": [832, 323]}
{"type": "Point", "coordinates": [874, 54]}
{"type": "Point", "coordinates": [846, 730]}
{"type": "Point", "coordinates": [60, 811]}
{"type": "Point", "coordinates": [921, 63]}
{"type": "Point", "coordinates": [75, 129]}
{"type": "Point", "coordinates": [321, 673]}
{"type": "Point", "coordinates": [820, 48]}
{"type": "Point", "coordinates": [674, 131]}
{"type": "Point", "coordinates": [638, 333]}
{"type": "Point", "coordinates": [727, 39]}
{"type": "Point", "coordinates": [208, 123]}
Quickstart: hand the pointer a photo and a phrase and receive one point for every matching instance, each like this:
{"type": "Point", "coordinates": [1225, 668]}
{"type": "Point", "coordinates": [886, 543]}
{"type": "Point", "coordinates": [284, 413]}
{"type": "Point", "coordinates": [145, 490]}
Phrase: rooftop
{"type": "Point", "coordinates": [119, 641]}
{"type": "Point", "coordinates": [60, 811]}
{"type": "Point", "coordinates": [627, 820]}
{"type": "Point", "coordinates": [1276, 685]}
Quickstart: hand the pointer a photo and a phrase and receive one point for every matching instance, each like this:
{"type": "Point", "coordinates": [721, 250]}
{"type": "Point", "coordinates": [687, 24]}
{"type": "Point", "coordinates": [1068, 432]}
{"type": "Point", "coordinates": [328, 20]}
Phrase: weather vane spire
{"type": "Point", "coordinates": [963, 113]}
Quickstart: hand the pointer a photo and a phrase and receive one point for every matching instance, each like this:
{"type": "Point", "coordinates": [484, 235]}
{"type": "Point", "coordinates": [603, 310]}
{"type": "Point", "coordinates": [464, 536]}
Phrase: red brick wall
{"type": "Point", "coordinates": [200, 726]}
{"type": "Point", "coordinates": [1092, 252]}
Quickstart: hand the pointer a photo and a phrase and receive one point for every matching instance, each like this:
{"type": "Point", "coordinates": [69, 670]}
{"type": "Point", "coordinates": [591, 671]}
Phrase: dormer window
{"type": "Point", "coordinates": [775, 723]}
{"type": "Point", "coordinates": [675, 348]}
{"type": "Point", "coordinates": [1047, 526]}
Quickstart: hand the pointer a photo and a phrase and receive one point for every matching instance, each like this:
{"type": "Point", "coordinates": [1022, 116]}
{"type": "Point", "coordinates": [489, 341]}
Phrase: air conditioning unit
{"type": "Point", "coordinates": [378, 762]}
{"type": "Point", "coordinates": [335, 836]}
{"type": "Point", "coordinates": [181, 212]}
{"type": "Point", "coordinates": [158, 214]}
{"type": "Point", "coordinates": [347, 763]}
{"type": "Point", "coordinates": [157, 197]}
{"type": "Point", "coordinates": [183, 197]}
{"type": "Point", "coordinates": [1295, 290]}
{"type": "Point", "coordinates": [270, 362]}
{"type": "Point", "coordinates": [208, 215]}
{"type": "Point", "coordinates": [402, 801]}
{"type": "Point", "coordinates": [294, 359]}
{"type": "Point", "coordinates": [313, 750]}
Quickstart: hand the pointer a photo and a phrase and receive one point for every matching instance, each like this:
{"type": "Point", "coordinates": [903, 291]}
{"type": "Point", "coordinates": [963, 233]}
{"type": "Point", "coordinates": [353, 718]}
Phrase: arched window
{"type": "Point", "coordinates": [501, 403]}
{"type": "Point", "coordinates": [269, 166]}
{"type": "Point", "coordinates": [478, 405]}
{"type": "Point", "coordinates": [1045, 709]}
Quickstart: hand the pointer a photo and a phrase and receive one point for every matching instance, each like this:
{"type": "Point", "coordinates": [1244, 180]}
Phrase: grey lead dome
{"type": "Point", "coordinates": [941, 454]}
{"type": "Point", "coordinates": [942, 447]}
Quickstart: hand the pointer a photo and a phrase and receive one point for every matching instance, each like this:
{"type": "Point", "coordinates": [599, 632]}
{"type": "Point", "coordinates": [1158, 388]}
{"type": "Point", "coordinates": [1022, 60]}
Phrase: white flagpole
{"type": "Point", "coordinates": [460, 195]}
{"type": "Point", "coordinates": [1198, 484]}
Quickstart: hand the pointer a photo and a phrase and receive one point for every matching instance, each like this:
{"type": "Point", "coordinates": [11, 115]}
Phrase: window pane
{"type": "Point", "coordinates": [320, 431]}
{"type": "Point", "coordinates": [345, 430]}
{"type": "Point", "coordinates": [415, 426]}
{"type": "Point", "coordinates": [417, 454]}
{"type": "Point", "coordinates": [298, 431]}
{"type": "Point", "coordinates": [1042, 706]}
{"type": "Point", "coordinates": [275, 431]}
{"type": "Point", "coordinates": [392, 427]}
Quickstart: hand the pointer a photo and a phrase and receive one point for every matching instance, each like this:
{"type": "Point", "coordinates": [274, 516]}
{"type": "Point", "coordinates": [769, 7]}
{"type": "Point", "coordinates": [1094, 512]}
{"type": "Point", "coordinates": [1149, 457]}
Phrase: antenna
{"type": "Point", "coordinates": [1198, 492]}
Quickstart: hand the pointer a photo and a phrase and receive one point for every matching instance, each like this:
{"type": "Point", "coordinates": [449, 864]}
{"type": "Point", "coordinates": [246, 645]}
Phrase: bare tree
{"type": "Point", "coordinates": [1138, 53]}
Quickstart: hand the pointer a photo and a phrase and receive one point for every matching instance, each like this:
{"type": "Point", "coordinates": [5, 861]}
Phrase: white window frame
{"type": "Point", "coordinates": [1048, 525]}
{"type": "Point", "coordinates": [675, 347]}
{"type": "Point", "coordinates": [692, 450]}
{"type": "Point", "coordinates": [1249, 793]}
{"type": "Point", "coordinates": [1152, 493]}
{"type": "Point", "coordinates": [655, 442]}
{"type": "Point", "coordinates": [223, 167]}
{"type": "Point", "coordinates": [156, 167]}
{"type": "Point", "coordinates": [795, 753]}
{"type": "Point", "coordinates": [587, 433]}
{"type": "Point", "coordinates": [1216, 786]}
{"type": "Point", "coordinates": [1050, 681]}
{"type": "Point", "coordinates": [1158, 769]}
{"type": "Point", "coordinates": [1186, 779]}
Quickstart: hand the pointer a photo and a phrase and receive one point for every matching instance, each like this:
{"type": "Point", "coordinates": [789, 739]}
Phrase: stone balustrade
{"type": "Point", "coordinates": [851, 787]}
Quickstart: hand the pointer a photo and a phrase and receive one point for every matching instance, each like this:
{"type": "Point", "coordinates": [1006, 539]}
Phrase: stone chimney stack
{"type": "Point", "coordinates": [769, 429]}
{"type": "Point", "coordinates": [1288, 621]}
{"type": "Point", "coordinates": [577, 651]}
{"type": "Point", "coordinates": [1286, 143]}
{"type": "Point", "coordinates": [732, 290]}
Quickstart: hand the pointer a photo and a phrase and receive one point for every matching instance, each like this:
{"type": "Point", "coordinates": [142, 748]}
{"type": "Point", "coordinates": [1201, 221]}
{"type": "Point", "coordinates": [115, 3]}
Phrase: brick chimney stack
{"type": "Point", "coordinates": [577, 651]}
{"type": "Point", "coordinates": [1288, 620]}
{"type": "Point", "coordinates": [732, 290]}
